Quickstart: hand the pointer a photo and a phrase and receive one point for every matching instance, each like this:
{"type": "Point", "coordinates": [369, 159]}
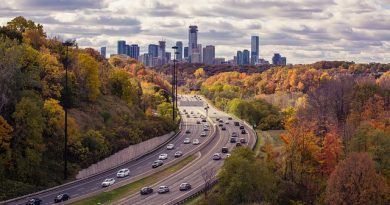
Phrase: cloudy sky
{"type": "Point", "coordinates": [302, 30]}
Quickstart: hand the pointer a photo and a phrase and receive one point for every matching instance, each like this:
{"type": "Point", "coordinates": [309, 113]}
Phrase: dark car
{"type": "Point", "coordinates": [236, 123]}
{"type": "Point", "coordinates": [242, 127]}
{"type": "Point", "coordinates": [203, 120]}
{"type": "Point", "coordinates": [61, 197]}
{"type": "Point", "coordinates": [34, 201]}
{"type": "Point", "coordinates": [238, 144]}
{"type": "Point", "coordinates": [233, 140]}
{"type": "Point", "coordinates": [146, 191]}
{"type": "Point", "coordinates": [185, 186]}
{"type": "Point", "coordinates": [198, 122]}
{"type": "Point", "coordinates": [220, 125]}
{"type": "Point", "coordinates": [225, 150]}
{"type": "Point", "coordinates": [243, 132]}
{"type": "Point", "coordinates": [229, 118]}
{"type": "Point", "coordinates": [188, 131]}
{"type": "Point", "coordinates": [242, 140]}
{"type": "Point", "coordinates": [234, 134]}
{"type": "Point", "coordinates": [223, 128]}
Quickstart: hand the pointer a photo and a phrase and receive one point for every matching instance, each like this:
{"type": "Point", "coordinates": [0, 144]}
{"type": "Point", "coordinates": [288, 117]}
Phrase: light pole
{"type": "Point", "coordinates": [174, 82]}
{"type": "Point", "coordinates": [67, 43]}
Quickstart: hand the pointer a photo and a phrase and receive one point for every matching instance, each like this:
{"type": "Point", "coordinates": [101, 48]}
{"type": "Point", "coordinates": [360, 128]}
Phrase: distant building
{"type": "Point", "coordinates": [153, 50]}
{"type": "Point", "coordinates": [255, 50]}
{"type": "Point", "coordinates": [167, 57]}
{"type": "Point", "coordinates": [219, 61]}
{"type": "Point", "coordinates": [134, 51]}
{"type": "Point", "coordinates": [185, 52]}
{"type": "Point", "coordinates": [103, 52]}
{"type": "Point", "coordinates": [239, 58]}
{"type": "Point", "coordinates": [179, 45]}
{"type": "Point", "coordinates": [245, 57]}
{"type": "Point", "coordinates": [209, 54]}
{"type": "Point", "coordinates": [196, 56]}
{"type": "Point", "coordinates": [161, 52]}
{"type": "Point", "coordinates": [278, 60]}
{"type": "Point", "coordinates": [146, 59]}
{"type": "Point", "coordinates": [192, 40]}
{"type": "Point", "coordinates": [122, 47]}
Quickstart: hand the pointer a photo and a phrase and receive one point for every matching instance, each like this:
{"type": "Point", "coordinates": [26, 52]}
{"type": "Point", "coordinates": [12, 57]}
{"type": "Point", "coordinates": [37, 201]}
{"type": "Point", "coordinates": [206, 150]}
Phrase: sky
{"type": "Point", "coordinates": [304, 31]}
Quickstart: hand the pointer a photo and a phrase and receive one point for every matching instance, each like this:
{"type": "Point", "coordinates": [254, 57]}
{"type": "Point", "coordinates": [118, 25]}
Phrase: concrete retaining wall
{"type": "Point", "coordinates": [123, 156]}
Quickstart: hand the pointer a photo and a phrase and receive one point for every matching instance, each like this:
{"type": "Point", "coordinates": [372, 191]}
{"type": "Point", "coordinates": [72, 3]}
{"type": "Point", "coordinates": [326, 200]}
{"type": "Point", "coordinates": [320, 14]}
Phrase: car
{"type": "Point", "coordinates": [215, 113]}
{"type": "Point", "coordinates": [163, 156]}
{"type": "Point", "coordinates": [184, 110]}
{"type": "Point", "coordinates": [188, 131]}
{"type": "Point", "coordinates": [217, 119]}
{"type": "Point", "coordinates": [205, 128]}
{"type": "Point", "coordinates": [195, 142]}
{"type": "Point", "coordinates": [225, 150]}
{"type": "Point", "coordinates": [227, 122]}
{"type": "Point", "coordinates": [123, 172]}
{"type": "Point", "coordinates": [157, 163]}
{"type": "Point", "coordinates": [217, 156]}
{"type": "Point", "coordinates": [223, 128]}
{"type": "Point", "coordinates": [228, 155]}
{"type": "Point", "coordinates": [178, 154]}
{"type": "Point", "coordinates": [198, 122]}
{"type": "Point", "coordinates": [243, 132]}
{"type": "Point", "coordinates": [170, 146]}
{"type": "Point", "coordinates": [163, 189]}
{"type": "Point", "coordinates": [187, 141]}
{"type": "Point", "coordinates": [108, 182]}
{"type": "Point", "coordinates": [221, 121]}
{"type": "Point", "coordinates": [203, 120]}
{"type": "Point", "coordinates": [238, 144]}
{"type": "Point", "coordinates": [220, 125]}
{"type": "Point", "coordinates": [184, 186]}
{"type": "Point", "coordinates": [146, 190]}
{"type": "Point", "coordinates": [242, 140]}
{"type": "Point", "coordinates": [192, 112]}
{"type": "Point", "coordinates": [230, 118]}
{"type": "Point", "coordinates": [236, 123]}
{"type": "Point", "coordinates": [234, 134]}
{"type": "Point", "coordinates": [188, 116]}
{"type": "Point", "coordinates": [233, 140]}
{"type": "Point", "coordinates": [242, 127]}
{"type": "Point", "coordinates": [61, 197]}
{"type": "Point", "coordinates": [34, 201]}
{"type": "Point", "coordinates": [203, 134]}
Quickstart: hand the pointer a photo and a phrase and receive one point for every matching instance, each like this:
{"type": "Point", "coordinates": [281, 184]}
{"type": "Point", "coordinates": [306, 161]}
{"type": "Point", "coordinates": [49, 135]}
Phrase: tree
{"type": "Point", "coordinates": [51, 74]}
{"type": "Point", "coordinates": [124, 87]}
{"type": "Point", "coordinates": [88, 76]}
{"type": "Point", "coordinates": [199, 73]}
{"type": "Point", "coordinates": [208, 176]}
{"type": "Point", "coordinates": [5, 143]}
{"type": "Point", "coordinates": [96, 144]}
{"type": "Point", "coordinates": [355, 181]}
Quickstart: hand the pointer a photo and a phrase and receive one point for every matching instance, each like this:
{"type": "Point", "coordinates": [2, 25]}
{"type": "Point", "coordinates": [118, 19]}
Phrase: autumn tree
{"type": "Point", "coordinates": [355, 181]}
{"type": "Point", "coordinates": [88, 76]}
{"type": "Point", "coordinates": [5, 143]}
{"type": "Point", "coordinates": [51, 74]}
{"type": "Point", "coordinates": [199, 73]}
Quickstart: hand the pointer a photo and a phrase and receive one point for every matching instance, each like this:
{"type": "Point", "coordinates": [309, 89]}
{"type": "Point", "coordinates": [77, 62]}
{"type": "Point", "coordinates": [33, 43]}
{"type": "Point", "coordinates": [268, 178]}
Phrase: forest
{"type": "Point", "coordinates": [112, 104]}
{"type": "Point", "coordinates": [335, 119]}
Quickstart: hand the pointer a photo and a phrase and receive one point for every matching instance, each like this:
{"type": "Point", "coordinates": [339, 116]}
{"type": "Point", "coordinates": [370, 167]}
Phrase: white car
{"type": "Point", "coordinates": [108, 182]}
{"type": "Point", "coordinates": [163, 156]}
{"type": "Point", "coordinates": [217, 156]}
{"type": "Point", "coordinates": [187, 141]}
{"type": "Point", "coordinates": [195, 142]}
{"type": "Point", "coordinates": [123, 173]}
{"type": "Point", "coordinates": [170, 146]}
{"type": "Point", "coordinates": [203, 134]}
{"type": "Point", "coordinates": [205, 129]}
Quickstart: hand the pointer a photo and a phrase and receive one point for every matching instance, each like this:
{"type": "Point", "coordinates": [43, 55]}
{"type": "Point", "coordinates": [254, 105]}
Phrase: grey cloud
{"type": "Point", "coordinates": [58, 4]}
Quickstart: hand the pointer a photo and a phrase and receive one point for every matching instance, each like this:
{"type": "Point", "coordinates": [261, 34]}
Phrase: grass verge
{"type": "Point", "coordinates": [128, 189]}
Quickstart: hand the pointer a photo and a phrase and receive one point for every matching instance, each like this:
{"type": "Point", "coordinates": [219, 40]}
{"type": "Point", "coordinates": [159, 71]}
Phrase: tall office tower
{"type": "Point", "coordinates": [153, 50]}
{"type": "Point", "coordinates": [103, 52]}
{"type": "Point", "coordinates": [245, 57]}
{"type": "Point", "coordinates": [196, 56]}
{"type": "Point", "coordinates": [145, 59]}
{"type": "Point", "coordinates": [255, 50]}
{"type": "Point", "coordinates": [192, 40]}
{"type": "Point", "coordinates": [179, 45]}
{"type": "Point", "coordinates": [283, 61]}
{"type": "Point", "coordinates": [277, 59]}
{"type": "Point", "coordinates": [168, 57]}
{"type": "Point", "coordinates": [239, 58]}
{"type": "Point", "coordinates": [127, 50]}
{"type": "Point", "coordinates": [134, 51]}
{"type": "Point", "coordinates": [122, 47]}
{"type": "Point", "coordinates": [209, 54]}
{"type": "Point", "coordinates": [161, 52]}
{"type": "Point", "coordinates": [185, 52]}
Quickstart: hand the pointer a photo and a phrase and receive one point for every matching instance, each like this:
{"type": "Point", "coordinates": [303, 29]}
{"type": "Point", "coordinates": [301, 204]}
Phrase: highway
{"type": "Point", "coordinates": [193, 173]}
{"type": "Point", "coordinates": [141, 167]}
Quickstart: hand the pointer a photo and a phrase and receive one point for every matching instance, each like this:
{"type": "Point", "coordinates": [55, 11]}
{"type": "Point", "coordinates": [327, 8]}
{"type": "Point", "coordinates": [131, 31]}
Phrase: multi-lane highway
{"type": "Point", "coordinates": [191, 109]}
{"type": "Point", "coordinates": [193, 173]}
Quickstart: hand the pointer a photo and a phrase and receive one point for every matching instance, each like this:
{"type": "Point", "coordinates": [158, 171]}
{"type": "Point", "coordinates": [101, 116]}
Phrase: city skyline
{"type": "Point", "coordinates": [305, 31]}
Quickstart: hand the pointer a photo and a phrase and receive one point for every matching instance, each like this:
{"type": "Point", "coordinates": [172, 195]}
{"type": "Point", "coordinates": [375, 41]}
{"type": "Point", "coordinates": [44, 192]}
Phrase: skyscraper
{"type": "Point", "coordinates": [134, 51]}
{"type": "Point", "coordinates": [278, 60]}
{"type": "Point", "coordinates": [196, 56]}
{"type": "Point", "coordinates": [168, 57]}
{"type": "Point", "coordinates": [255, 50]}
{"type": "Point", "coordinates": [192, 40]}
{"type": "Point", "coordinates": [179, 45]}
{"type": "Point", "coordinates": [245, 57]}
{"type": "Point", "coordinates": [153, 50]}
{"type": "Point", "coordinates": [186, 53]}
{"type": "Point", "coordinates": [127, 50]}
{"type": "Point", "coordinates": [161, 52]}
{"type": "Point", "coordinates": [103, 52]}
{"type": "Point", "coordinates": [122, 47]}
{"type": "Point", "coordinates": [239, 58]}
{"type": "Point", "coordinates": [209, 54]}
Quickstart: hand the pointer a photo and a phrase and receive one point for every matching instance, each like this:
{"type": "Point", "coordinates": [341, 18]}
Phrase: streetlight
{"type": "Point", "coordinates": [174, 82]}
{"type": "Point", "coordinates": [67, 43]}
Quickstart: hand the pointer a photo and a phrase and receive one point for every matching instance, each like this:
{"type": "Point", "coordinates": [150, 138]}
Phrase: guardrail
{"type": "Point", "coordinates": [190, 196]}
{"type": "Point", "coordinates": [87, 178]}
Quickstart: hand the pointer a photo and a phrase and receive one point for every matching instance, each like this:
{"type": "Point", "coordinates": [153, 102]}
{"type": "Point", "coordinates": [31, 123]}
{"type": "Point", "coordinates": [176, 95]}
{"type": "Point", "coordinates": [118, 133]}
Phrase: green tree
{"type": "Point", "coordinates": [123, 86]}
{"type": "Point", "coordinates": [88, 76]}
{"type": "Point", "coordinates": [165, 110]}
{"type": "Point", "coordinates": [97, 145]}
